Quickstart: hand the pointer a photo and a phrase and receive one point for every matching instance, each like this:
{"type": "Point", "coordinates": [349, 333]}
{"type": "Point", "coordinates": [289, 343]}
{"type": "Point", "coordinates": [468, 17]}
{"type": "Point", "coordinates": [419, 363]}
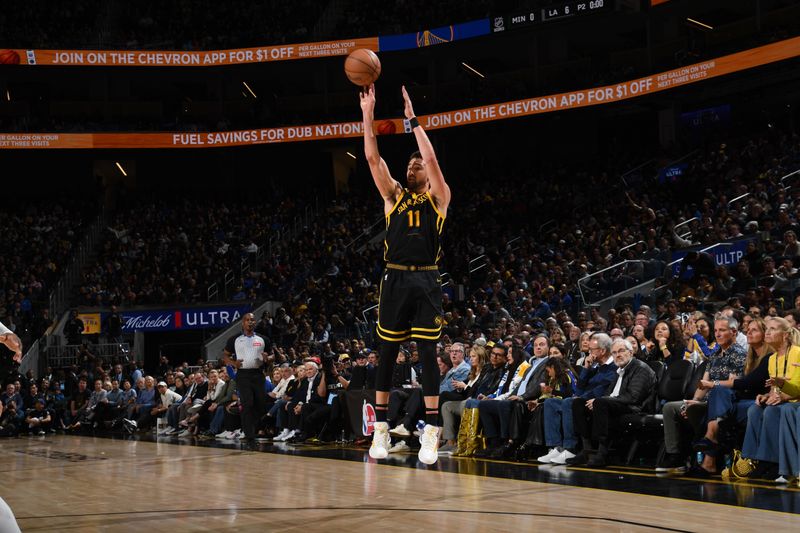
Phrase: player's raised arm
{"type": "Point", "coordinates": [439, 188]}
{"type": "Point", "coordinates": [13, 343]}
{"type": "Point", "coordinates": [387, 186]}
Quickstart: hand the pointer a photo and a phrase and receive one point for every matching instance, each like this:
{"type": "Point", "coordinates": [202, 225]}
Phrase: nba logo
{"type": "Point", "coordinates": [499, 24]}
{"type": "Point", "coordinates": [367, 419]}
{"type": "Point", "coordinates": [31, 57]}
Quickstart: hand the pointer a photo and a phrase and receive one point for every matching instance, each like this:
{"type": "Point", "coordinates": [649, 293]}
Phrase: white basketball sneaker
{"type": "Point", "coordinates": [429, 452]}
{"type": "Point", "coordinates": [380, 441]}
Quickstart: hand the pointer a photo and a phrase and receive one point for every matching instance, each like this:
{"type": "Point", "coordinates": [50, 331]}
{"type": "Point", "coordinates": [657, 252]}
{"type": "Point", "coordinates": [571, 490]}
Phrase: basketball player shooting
{"type": "Point", "coordinates": [411, 292]}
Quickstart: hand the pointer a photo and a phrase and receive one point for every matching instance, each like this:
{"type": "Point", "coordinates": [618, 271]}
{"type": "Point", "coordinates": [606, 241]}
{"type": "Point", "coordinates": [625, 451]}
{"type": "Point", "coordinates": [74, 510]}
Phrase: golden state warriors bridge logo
{"type": "Point", "coordinates": [437, 36]}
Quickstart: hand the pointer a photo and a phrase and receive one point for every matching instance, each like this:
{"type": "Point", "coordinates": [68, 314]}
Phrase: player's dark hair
{"type": "Point", "coordinates": [415, 155]}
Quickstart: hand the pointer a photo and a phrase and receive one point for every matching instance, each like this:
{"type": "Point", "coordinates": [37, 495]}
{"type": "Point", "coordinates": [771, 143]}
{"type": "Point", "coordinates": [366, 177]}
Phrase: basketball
{"type": "Point", "coordinates": [386, 127]}
{"type": "Point", "coordinates": [11, 57]}
{"type": "Point", "coordinates": [362, 67]}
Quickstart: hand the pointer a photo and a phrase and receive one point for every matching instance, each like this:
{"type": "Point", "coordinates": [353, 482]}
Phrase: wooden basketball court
{"type": "Point", "coordinates": [85, 483]}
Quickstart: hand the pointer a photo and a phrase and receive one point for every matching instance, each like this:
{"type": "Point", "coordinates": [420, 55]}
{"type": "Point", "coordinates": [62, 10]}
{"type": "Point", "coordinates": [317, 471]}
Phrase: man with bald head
{"type": "Point", "coordinates": [248, 351]}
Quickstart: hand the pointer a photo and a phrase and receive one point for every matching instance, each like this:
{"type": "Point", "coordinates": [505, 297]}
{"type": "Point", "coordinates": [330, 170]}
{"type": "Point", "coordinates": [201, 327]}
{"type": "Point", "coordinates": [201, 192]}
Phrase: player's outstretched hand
{"type": "Point", "coordinates": [367, 96]}
{"type": "Point", "coordinates": [408, 109]}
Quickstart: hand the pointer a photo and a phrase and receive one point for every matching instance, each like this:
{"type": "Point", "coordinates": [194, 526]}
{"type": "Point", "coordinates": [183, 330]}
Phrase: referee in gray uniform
{"type": "Point", "coordinates": [248, 351]}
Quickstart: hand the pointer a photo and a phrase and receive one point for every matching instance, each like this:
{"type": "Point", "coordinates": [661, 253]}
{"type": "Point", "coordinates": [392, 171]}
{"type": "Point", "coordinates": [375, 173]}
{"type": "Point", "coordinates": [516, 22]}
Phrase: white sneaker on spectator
{"type": "Point", "coordinates": [170, 431]}
{"type": "Point", "coordinates": [429, 452]}
{"type": "Point", "coordinates": [224, 435]}
{"type": "Point", "coordinates": [399, 447]}
{"type": "Point", "coordinates": [131, 422]}
{"type": "Point", "coordinates": [561, 459]}
{"type": "Point", "coordinates": [380, 441]}
{"type": "Point", "coordinates": [185, 433]}
{"type": "Point", "coordinates": [282, 435]}
{"type": "Point", "coordinates": [289, 435]}
{"type": "Point", "coordinates": [549, 456]}
{"type": "Point", "coordinates": [400, 431]}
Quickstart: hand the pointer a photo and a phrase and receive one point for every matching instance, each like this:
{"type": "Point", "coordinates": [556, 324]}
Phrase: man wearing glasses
{"type": "Point", "coordinates": [460, 369]}
{"type": "Point", "coordinates": [597, 373]}
{"type": "Point", "coordinates": [634, 383]}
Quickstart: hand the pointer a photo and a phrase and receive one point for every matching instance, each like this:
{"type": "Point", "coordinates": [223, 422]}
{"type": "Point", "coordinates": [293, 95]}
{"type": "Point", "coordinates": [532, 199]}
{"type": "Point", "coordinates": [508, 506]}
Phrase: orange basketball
{"type": "Point", "coordinates": [11, 57]}
{"type": "Point", "coordinates": [362, 67]}
{"type": "Point", "coordinates": [386, 127]}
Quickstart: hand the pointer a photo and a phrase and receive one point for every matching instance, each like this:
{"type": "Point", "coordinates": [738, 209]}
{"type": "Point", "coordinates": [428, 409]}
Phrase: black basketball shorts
{"type": "Point", "coordinates": [410, 306]}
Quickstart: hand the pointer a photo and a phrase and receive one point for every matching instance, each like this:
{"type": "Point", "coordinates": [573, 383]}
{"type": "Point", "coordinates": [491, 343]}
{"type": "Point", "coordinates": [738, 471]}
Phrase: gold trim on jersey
{"type": "Point", "coordinates": [433, 204]}
{"type": "Point", "coordinates": [400, 199]}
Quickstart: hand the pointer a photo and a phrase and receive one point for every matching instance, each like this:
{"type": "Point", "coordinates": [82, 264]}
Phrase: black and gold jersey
{"type": "Point", "coordinates": [413, 231]}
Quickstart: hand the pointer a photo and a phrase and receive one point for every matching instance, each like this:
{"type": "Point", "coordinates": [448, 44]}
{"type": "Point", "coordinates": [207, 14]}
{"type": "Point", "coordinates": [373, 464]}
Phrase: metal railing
{"type": "Point", "coordinates": [484, 264]}
{"type": "Point", "coordinates": [367, 232]}
{"type": "Point", "coordinates": [31, 360]}
{"type": "Point", "coordinates": [629, 247]}
{"type": "Point", "coordinates": [290, 231]}
{"type": "Point", "coordinates": [794, 174]}
{"type": "Point", "coordinates": [59, 297]}
{"type": "Point", "coordinates": [600, 285]}
{"type": "Point", "coordinates": [68, 355]}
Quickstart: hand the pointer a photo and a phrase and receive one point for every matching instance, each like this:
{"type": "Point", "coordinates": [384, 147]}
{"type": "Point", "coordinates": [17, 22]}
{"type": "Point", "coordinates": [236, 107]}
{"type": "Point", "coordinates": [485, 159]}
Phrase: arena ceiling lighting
{"type": "Point", "coordinates": [698, 23]}
{"type": "Point", "coordinates": [121, 169]}
{"type": "Point", "coordinates": [249, 89]}
{"type": "Point", "coordinates": [472, 69]}
{"type": "Point", "coordinates": [351, 155]}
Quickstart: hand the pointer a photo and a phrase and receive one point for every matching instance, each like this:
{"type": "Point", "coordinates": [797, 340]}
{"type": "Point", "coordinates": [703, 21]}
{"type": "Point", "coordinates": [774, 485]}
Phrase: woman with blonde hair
{"type": "Point", "coordinates": [763, 437]}
{"type": "Point", "coordinates": [452, 403]}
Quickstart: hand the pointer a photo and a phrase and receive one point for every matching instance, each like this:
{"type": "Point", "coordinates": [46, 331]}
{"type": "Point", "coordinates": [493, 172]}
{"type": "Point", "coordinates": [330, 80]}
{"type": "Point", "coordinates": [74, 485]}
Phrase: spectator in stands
{"type": "Point", "coordinates": [479, 381]}
{"type": "Point", "coordinates": [495, 410]}
{"type": "Point", "coordinates": [13, 405]}
{"type": "Point", "coordinates": [445, 366]}
{"type": "Point", "coordinates": [164, 400]}
{"type": "Point", "coordinates": [78, 405]}
{"type": "Point", "coordinates": [597, 373]}
{"type": "Point", "coordinates": [667, 345]}
{"type": "Point", "coordinates": [700, 344]}
{"type": "Point", "coordinates": [634, 383]}
{"type": "Point", "coordinates": [459, 370]}
{"type": "Point", "coordinates": [38, 418]}
{"type": "Point", "coordinates": [139, 413]}
{"type": "Point", "coordinates": [112, 408]}
{"type": "Point", "coordinates": [308, 407]}
{"type": "Point", "coordinates": [73, 329]}
{"type": "Point", "coordinates": [763, 418]}
{"type": "Point", "coordinates": [217, 409]}
{"type": "Point", "coordinates": [792, 246]}
{"type": "Point", "coordinates": [114, 326]}
{"type": "Point", "coordinates": [728, 360]}
{"type": "Point", "coordinates": [198, 416]}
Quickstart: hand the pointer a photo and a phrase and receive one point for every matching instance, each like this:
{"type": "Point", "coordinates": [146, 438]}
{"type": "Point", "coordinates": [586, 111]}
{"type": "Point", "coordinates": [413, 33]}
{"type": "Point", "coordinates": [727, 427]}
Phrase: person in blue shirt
{"type": "Point", "coordinates": [460, 369]}
{"type": "Point", "coordinates": [597, 373]}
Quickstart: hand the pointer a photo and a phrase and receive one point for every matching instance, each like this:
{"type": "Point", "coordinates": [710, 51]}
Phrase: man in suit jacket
{"type": "Point", "coordinates": [309, 406]}
{"type": "Point", "coordinates": [627, 394]}
{"type": "Point", "coordinates": [506, 418]}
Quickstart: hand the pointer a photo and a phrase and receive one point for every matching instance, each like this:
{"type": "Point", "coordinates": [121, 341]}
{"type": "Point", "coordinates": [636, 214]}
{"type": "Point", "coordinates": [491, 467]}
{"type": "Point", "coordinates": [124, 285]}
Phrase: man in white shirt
{"type": "Point", "coordinates": [250, 356]}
